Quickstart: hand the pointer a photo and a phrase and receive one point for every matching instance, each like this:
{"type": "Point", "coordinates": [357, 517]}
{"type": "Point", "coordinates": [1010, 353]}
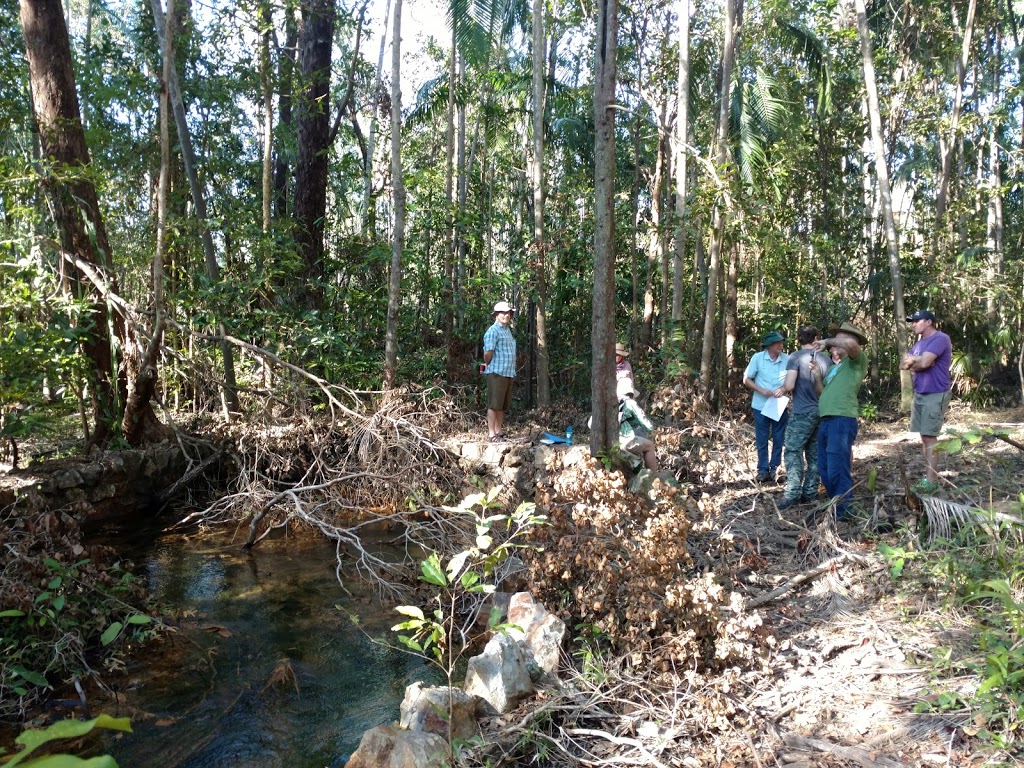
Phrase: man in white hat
{"type": "Point", "coordinates": [500, 360]}
{"type": "Point", "coordinates": [623, 370]}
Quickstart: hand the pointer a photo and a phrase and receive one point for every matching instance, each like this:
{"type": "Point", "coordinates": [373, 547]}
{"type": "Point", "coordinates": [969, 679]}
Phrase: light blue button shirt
{"type": "Point", "coordinates": [766, 374]}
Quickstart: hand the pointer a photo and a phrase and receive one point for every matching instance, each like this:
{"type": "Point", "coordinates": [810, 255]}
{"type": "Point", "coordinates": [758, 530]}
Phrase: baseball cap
{"type": "Point", "coordinates": [921, 314]}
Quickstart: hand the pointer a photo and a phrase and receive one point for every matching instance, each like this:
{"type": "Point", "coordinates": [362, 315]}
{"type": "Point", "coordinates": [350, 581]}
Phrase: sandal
{"type": "Point", "coordinates": [497, 438]}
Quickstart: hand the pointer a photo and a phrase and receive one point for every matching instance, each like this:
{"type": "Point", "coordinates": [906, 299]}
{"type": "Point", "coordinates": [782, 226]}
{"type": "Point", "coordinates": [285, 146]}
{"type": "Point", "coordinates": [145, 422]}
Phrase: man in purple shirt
{"type": "Point", "coordinates": [929, 361]}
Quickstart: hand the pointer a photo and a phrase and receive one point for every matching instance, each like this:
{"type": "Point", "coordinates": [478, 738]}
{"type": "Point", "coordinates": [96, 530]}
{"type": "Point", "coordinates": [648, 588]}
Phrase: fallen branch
{"type": "Point", "coordinates": [794, 582]}
{"type": "Point", "coordinates": [856, 754]}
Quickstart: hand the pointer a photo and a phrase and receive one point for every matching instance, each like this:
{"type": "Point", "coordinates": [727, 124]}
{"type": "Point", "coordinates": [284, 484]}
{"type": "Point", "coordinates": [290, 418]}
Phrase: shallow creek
{"type": "Point", "coordinates": [265, 670]}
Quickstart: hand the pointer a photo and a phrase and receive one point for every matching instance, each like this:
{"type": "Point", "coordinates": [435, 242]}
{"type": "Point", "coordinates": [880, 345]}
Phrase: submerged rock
{"type": "Point", "coordinates": [427, 709]}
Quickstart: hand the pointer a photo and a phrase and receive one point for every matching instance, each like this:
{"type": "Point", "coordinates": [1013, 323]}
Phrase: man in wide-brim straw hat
{"type": "Point", "coordinates": [500, 359]}
{"type": "Point", "coordinates": [623, 369]}
{"type": "Point", "coordinates": [838, 408]}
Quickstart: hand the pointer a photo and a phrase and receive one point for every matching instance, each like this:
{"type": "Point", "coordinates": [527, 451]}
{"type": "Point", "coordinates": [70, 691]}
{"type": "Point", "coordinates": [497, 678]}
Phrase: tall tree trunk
{"type": "Point", "coordinates": [448, 290]}
{"type": "Point", "coordinates": [285, 78]}
{"type": "Point", "coordinates": [230, 391]}
{"type": "Point", "coordinates": [73, 202]}
{"type": "Point", "coordinates": [266, 27]}
{"type": "Point", "coordinates": [885, 194]}
{"type": "Point", "coordinates": [733, 15]}
{"type": "Point", "coordinates": [316, 34]}
{"type": "Point", "coordinates": [947, 154]}
{"type": "Point", "coordinates": [398, 239]}
{"type": "Point", "coordinates": [634, 216]}
{"type": "Point", "coordinates": [994, 239]}
{"type": "Point", "coordinates": [656, 242]}
{"type": "Point", "coordinates": [604, 431]}
{"type": "Point", "coordinates": [680, 167]}
{"type": "Point", "coordinates": [539, 244]}
{"type": "Point", "coordinates": [140, 422]}
{"type": "Point", "coordinates": [367, 219]}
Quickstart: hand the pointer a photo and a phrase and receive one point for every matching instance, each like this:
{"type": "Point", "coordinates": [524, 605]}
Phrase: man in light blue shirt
{"type": "Point", "coordinates": [766, 377]}
{"type": "Point", "coordinates": [500, 359]}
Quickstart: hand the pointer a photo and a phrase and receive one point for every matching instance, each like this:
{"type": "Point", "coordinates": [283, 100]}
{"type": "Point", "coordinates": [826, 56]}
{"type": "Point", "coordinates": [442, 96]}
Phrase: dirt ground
{"type": "Point", "coordinates": [854, 658]}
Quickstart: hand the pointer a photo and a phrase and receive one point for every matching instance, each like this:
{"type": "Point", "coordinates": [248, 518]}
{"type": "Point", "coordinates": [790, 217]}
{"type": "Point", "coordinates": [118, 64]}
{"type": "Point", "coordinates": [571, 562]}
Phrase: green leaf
{"type": "Point", "coordinates": [67, 729]}
{"type": "Point", "coordinates": [111, 633]}
{"type": "Point", "coordinates": [70, 761]}
{"type": "Point", "coordinates": [33, 677]}
{"type": "Point", "coordinates": [58, 602]}
{"type": "Point", "coordinates": [55, 583]}
{"type": "Point", "coordinates": [483, 543]}
{"type": "Point", "coordinates": [432, 573]}
{"type": "Point", "coordinates": [494, 617]}
{"type": "Point", "coordinates": [410, 610]}
{"type": "Point", "coordinates": [414, 624]}
{"type": "Point", "coordinates": [11, 613]}
{"type": "Point", "coordinates": [139, 618]}
{"type": "Point", "coordinates": [410, 643]}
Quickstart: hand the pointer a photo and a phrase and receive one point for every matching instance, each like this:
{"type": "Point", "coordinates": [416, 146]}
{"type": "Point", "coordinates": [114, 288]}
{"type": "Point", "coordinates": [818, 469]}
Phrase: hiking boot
{"type": "Point", "coordinates": [788, 501]}
{"type": "Point", "coordinates": [808, 498]}
{"type": "Point", "coordinates": [763, 478]}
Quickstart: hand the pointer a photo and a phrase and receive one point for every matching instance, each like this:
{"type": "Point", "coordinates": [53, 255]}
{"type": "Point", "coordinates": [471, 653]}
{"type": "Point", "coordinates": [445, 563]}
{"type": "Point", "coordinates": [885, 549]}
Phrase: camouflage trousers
{"type": "Point", "coordinates": [801, 455]}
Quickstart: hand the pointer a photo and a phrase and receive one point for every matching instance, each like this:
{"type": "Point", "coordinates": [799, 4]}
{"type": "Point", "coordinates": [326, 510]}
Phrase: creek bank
{"type": "Point", "coordinates": [107, 489]}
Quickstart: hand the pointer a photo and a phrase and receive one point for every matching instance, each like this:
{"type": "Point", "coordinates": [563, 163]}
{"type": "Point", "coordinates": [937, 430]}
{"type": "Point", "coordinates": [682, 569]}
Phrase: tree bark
{"type": "Point", "coordinates": [733, 12]}
{"type": "Point", "coordinates": [679, 165]}
{"type": "Point", "coordinates": [367, 219]}
{"type": "Point", "coordinates": [266, 26]}
{"type": "Point", "coordinates": [73, 197]}
{"type": "Point", "coordinates": [316, 35]}
{"type": "Point", "coordinates": [604, 433]}
{"type": "Point", "coordinates": [398, 240]}
{"type": "Point", "coordinates": [946, 163]}
{"type": "Point", "coordinates": [285, 77]}
{"type": "Point", "coordinates": [539, 244]}
{"type": "Point", "coordinates": [230, 392]}
{"type": "Point", "coordinates": [885, 196]}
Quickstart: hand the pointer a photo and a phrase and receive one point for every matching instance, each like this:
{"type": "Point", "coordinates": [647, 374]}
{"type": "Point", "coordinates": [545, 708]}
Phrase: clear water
{"type": "Point", "coordinates": [208, 696]}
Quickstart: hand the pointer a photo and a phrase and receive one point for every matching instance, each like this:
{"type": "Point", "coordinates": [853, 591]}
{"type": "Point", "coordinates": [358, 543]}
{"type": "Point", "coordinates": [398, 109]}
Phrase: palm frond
{"type": "Point", "coordinates": [806, 46]}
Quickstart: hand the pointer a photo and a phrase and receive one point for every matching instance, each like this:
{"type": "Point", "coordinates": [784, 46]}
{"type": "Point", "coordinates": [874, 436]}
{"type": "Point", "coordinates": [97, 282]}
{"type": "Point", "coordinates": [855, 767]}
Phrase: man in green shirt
{"type": "Point", "coordinates": [837, 406]}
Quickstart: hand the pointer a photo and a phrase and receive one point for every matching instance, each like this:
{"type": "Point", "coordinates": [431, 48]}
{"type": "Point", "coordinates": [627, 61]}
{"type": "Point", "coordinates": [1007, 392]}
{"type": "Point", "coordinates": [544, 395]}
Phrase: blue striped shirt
{"type": "Point", "coordinates": [499, 339]}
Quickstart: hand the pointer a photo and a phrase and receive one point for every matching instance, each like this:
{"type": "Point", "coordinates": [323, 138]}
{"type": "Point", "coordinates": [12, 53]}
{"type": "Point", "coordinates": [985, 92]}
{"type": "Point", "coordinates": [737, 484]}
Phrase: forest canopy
{"type": "Point", "coordinates": [191, 192]}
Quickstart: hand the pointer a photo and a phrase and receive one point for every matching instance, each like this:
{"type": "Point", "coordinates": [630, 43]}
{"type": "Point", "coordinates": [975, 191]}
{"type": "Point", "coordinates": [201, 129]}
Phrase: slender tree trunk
{"type": "Point", "coordinates": [634, 215]}
{"type": "Point", "coordinates": [947, 154]}
{"type": "Point", "coordinates": [140, 422]}
{"type": "Point", "coordinates": [398, 237]}
{"type": "Point", "coordinates": [72, 196]}
{"type": "Point", "coordinates": [656, 242]}
{"type": "Point", "coordinates": [316, 35]}
{"type": "Point", "coordinates": [539, 244]}
{"type": "Point", "coordinates": [733, 13]}
{"type": "Point", "coordinates": [230, 391]}
{"type": "Point", "coordinates": [604, 431]}
{"type": "Point", "coordinates": [266, 27]}
{"type": "Point", "coordinates": [885, 194]}
{"type": "Point", "coordinates": [994, 239]}
{"type": "Point", "coordinates": [679, 165]}
{"type": "Point", "coordinates": [366, 219]}
{"type": "Point", "coordinates": [285, 77]}
{"type": "Point", "coordinates": [448, 291]}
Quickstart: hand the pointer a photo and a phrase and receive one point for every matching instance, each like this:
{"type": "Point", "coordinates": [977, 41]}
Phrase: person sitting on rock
{"type": "Point", "coordinates": [634, 426]}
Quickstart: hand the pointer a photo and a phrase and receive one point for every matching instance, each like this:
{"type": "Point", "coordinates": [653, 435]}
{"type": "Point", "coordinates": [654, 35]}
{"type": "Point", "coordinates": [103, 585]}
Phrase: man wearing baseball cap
{"type": "Point", "coordinates": [500, 360]}
{"type": "Point", "coordinates": [929, 360]}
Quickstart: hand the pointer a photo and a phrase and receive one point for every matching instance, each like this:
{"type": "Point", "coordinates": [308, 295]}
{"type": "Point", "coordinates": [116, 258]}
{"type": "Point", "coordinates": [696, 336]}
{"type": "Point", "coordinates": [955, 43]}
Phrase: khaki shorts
{"type": "Point", "coordinates": [499, 392]}
{"type": "Point", "coordinates": [928, 413]}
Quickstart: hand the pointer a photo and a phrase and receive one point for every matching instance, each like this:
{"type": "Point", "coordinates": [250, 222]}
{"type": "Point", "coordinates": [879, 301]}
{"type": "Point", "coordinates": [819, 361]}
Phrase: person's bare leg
{"type": "Point", "coordinates": [493, 425]}
{"type": "Point", "coordinates": [499, 421]}
{"type": "Point", "coordinates": [928, 444]}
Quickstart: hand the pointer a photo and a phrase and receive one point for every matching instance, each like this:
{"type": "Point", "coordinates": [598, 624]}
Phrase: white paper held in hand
{"type": "Point", "coordinates": [774, 407]}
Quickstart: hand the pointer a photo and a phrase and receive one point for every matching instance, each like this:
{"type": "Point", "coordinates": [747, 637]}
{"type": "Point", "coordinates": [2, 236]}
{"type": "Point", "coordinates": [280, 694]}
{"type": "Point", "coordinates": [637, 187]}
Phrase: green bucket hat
{"type": "Point", "coordinates": [771, 338]}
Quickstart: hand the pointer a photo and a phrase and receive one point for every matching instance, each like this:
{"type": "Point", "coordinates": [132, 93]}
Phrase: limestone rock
{"type": "Point", "coordinates": [500, 675]}
{"type": "Point", "coordinates": [542, 632]}
{"type": "Point", "coordinates": [575, 455]}
{"type": "Point", "coordinates": [389, 747]}
{"type": "Point", "coordinates": [427, 709]}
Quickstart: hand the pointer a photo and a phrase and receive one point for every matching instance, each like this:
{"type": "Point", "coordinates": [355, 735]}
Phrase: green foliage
{"type": "Point", "coordinates": [984, 575]}
{"type": "Point", "coordinates": [31, 740]}
{"type": "Point", "coordinates": [45, 639]}
{"type": "Point", "coordinates": [438, 634]}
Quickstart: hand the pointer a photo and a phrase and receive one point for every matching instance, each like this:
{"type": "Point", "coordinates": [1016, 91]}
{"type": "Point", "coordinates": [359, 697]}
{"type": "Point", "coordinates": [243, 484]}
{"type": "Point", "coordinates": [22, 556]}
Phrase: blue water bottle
{"type": "Point", "coordinates": [568, 435]}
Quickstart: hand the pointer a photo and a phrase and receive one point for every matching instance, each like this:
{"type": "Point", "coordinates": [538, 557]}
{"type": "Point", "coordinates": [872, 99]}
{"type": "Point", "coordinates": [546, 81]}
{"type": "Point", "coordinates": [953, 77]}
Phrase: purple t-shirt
{"type": "Point", "coordinates": [935, 378]}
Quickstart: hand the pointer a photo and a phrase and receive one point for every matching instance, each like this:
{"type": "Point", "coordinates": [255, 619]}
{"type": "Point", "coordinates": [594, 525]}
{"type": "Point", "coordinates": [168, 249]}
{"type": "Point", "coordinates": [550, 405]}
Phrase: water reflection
{"type": "Point", "coordinates": [266, 670]}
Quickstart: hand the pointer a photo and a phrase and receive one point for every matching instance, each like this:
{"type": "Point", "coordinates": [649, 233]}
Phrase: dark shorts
{"type": "Point", "coordinates": [499, 392]}
{"type": "Point", "coordinates": [928, 413]}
